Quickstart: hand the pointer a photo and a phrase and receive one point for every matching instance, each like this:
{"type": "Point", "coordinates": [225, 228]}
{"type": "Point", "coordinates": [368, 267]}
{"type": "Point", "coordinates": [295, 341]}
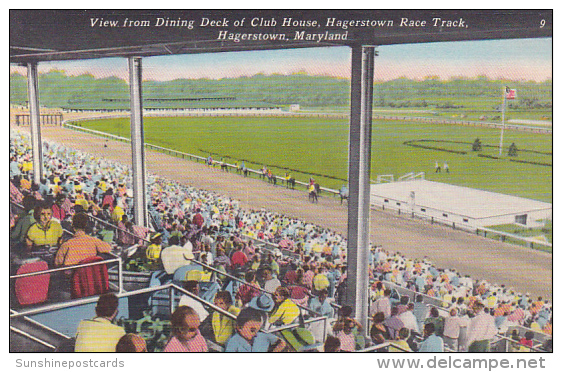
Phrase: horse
{"type": "Point", "coordinates": [312, 193]}
{"type": "Point", "coordinates": [312, 196]}
{"type": "Point", "coordinates": [291, 183]}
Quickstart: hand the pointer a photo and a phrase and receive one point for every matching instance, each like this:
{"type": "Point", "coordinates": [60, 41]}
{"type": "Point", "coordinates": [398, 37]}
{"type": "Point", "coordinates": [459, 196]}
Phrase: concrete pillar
{"type": "Point", "coordinates": [137, 142]}
{"type": "Point", "coordinates": [34, 117]}
{"type": "Point", "coordinates": [362, 68]}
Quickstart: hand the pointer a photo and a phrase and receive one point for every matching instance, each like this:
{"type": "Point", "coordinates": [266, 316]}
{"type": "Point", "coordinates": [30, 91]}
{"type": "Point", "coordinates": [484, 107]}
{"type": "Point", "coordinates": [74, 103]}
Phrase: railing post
{"type": "Point", "coordinates": [172, 294]}
{"type": "Point", "coordinates": [120, 275]}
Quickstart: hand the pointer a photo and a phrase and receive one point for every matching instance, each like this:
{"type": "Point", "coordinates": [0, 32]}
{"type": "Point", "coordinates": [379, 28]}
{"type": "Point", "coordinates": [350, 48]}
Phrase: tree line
{"type": "Point", "coordinates": [57, 89]}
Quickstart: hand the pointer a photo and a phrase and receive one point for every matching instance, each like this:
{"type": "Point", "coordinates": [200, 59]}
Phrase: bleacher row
{"type": "Point", "coordinates": [233, 268]}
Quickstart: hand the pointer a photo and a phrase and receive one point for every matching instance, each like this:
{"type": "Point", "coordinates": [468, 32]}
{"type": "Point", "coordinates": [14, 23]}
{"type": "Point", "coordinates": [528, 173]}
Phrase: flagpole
{"type": "Point", "coordinates": [503, 119]}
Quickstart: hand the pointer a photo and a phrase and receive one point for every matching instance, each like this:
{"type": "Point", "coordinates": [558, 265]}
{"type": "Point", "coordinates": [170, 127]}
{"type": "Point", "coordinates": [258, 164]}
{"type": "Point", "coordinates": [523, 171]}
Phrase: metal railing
{"type": "Point", "coordinates": [444, 311]}
{"type": "Point", "coordinates": [36, 323]}
{"type": "Point", "coordinates": [383, 346]}
{"type": "Point", "coordinates": [263, 244]}
{"type": "Point", "coordinates": [511, 343]}
{"type": "Point", "coordinates": [432, 301]}
{"type": "Point", "coordinates": [322, 319]}
{"type": "Point", "coordinates": [171, 287]}
{"type": "Point", "coordinates": [463, 122]}
{"type": "Point", "coordinates": [174, 288]}
{"type": "Point", "coordinates": [246, 283]}
{"type": "Point", "coordinates": [66, 268]}
{"type": "Point", "coordinates": [117, 228]}
{"type": "Point", "coordinates": [32, 338]}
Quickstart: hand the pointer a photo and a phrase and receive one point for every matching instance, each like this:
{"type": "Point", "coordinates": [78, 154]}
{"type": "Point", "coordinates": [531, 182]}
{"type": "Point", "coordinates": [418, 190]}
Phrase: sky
{"type": "Point", "coordinates": [519, 59]}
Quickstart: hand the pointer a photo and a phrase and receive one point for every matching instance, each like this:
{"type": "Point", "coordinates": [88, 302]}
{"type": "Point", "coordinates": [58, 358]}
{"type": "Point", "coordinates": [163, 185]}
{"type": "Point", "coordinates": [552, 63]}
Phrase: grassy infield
{"type": "Point", "coordinates": [318, 146]}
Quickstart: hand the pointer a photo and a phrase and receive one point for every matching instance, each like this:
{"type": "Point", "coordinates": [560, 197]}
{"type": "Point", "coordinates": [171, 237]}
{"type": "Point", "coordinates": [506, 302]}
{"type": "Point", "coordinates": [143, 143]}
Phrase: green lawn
{"type": "Point", "coordinates": [319, 146]}
{"type": "Point", "coordinates": [545, 231]}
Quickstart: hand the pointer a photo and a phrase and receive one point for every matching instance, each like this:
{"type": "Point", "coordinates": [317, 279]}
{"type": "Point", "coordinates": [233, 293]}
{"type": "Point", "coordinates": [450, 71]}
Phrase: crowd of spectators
{"type": "Point", "coordinates": [304, 275]}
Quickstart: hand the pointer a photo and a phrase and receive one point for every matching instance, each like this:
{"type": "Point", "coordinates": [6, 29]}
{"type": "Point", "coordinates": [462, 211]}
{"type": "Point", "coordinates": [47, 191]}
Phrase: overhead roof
{"type": "Point", "coordinates": [47, 35]}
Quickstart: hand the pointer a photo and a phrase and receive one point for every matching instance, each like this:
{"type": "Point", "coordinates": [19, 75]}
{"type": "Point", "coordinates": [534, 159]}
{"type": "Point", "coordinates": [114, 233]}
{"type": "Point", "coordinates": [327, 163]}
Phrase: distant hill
{"type": "Point", "coordinates": [86, 92]}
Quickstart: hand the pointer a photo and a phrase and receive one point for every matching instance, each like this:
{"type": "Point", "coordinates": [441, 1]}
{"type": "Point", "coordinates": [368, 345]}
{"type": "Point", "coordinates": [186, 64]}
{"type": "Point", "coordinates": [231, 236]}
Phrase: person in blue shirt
{"type": "Point", "coordinates": [248, 337]}
{"type": "Point", "coordinates": [14, 167]}
{"type": "Point", "coordinates": [334, 276]}
{"type": "Point", "coordinates": [432, 343]}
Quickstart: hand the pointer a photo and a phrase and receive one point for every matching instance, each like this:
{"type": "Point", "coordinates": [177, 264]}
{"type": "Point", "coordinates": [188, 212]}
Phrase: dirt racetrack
{"type": "Point", "coordinates": [523, 269]}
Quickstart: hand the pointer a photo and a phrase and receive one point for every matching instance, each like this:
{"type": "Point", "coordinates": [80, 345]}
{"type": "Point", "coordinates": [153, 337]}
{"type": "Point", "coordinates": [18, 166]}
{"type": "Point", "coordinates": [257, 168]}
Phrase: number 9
{"type": "Point", "coordinates": [543, 23]}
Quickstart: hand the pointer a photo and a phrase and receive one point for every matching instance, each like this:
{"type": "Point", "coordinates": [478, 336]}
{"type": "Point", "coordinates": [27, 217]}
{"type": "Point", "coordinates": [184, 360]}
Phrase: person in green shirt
{"type": "Point", "coordinates": [18, 234]}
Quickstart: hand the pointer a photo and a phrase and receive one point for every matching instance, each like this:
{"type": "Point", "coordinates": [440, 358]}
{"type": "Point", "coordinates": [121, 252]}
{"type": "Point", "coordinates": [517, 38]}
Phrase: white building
{"type": "Point", "coordinates": [457, 204]}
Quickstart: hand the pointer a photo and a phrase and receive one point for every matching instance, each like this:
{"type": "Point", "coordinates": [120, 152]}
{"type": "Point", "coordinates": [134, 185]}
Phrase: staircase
{"type": "Point", "coordinates": [29, 336]}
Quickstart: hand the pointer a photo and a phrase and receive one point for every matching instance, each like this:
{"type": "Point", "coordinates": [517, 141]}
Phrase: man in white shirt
{"type": "Point", "coordinates": [481, 330]}
{"type": "Point", "coordinates": [192, 286]}
{"type": "Point", "coordinates": [382, 304]}
{"type": "Point", "coordinates": [409, 319]}
{"type": "Point", "coordinates": [451, 331]}
{"type": "Point", "coordinates": [271, 283]}
{"type": "Point", "coordinates": [466, 281]}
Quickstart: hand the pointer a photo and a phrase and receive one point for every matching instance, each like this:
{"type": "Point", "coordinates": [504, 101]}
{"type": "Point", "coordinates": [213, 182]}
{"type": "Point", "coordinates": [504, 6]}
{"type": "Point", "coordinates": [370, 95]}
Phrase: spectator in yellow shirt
{"type": "Point", "coordinates": [45, 231]}
{"type": "Point", "coordinates": [402, 342]}
{"type": "Point", "coordinates": [223, 326]}
{"type": "Point", "coordinates": [285, 311]}
{"type": "Point", "coordinates": [99, 334]}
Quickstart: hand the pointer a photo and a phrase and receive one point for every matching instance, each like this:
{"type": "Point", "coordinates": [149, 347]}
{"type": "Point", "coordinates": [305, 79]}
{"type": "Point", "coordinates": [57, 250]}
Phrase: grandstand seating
{"type": "Point", "coordinates": [295, 251]}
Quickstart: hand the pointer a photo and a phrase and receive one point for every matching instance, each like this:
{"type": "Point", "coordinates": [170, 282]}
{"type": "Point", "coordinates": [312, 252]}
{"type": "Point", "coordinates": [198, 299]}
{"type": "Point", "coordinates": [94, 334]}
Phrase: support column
{"type": "Point", "coordinates": [34, 121]}
{"type": "Point", "coordinates": [137, 142]}
{"type": "Point", "coordinates": [362, 68]}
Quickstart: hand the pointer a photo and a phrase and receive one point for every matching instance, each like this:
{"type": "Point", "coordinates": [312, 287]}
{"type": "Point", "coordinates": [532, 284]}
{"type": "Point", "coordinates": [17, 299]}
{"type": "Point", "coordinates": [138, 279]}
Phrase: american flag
{"type": "Point", "coordinates": [510, 93]}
